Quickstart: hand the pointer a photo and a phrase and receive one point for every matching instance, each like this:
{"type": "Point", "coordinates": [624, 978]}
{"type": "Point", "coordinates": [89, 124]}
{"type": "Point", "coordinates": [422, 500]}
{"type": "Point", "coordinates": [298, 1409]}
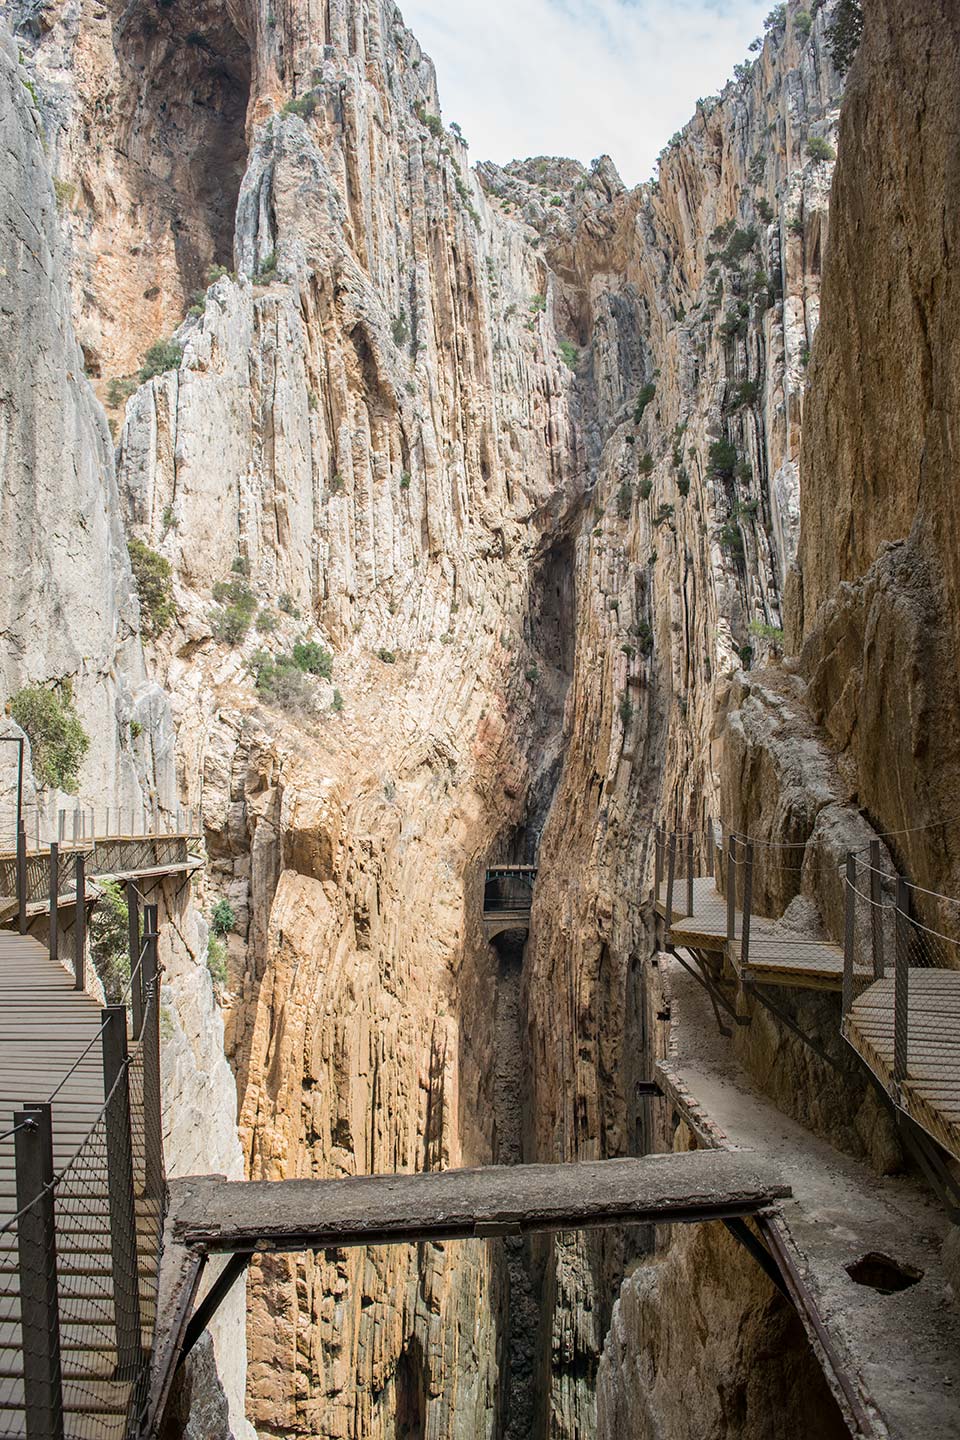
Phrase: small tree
{"type": "Point", "coordinates": [58, 741]}
{"type": "Point", "coordinates": [109, 941]}
{"type": "Point", "coordinates": [819, 149]}
{"type": "Point", "coordinates": [312, 658]}
{"type": "Point", "coordinates": [223, 917]}
{"type": "Point", "coordinates": [845, 33]}
{"type": "Point", "coordinates": [154, 581]}
{"type": "Point", "coordinates": [162, 356]}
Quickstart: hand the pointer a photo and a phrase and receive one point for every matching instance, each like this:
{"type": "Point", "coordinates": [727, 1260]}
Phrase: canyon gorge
{"type": "Point", "coordinates": [580, 509]}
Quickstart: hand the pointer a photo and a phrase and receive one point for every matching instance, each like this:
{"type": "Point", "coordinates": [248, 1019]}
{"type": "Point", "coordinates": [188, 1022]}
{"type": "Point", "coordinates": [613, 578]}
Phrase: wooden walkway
{"type": "Point", "coordinates": [930, 1094]}
{"type": "Point", "coordinates": [45, 1026]}
{"type": "Point", "coordinates": [775, 956]}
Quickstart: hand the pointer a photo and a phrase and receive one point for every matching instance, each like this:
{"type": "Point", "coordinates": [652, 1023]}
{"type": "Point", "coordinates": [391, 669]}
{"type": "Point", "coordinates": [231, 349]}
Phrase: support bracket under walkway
{"type": "Point", "coordinates": [210, 1215]}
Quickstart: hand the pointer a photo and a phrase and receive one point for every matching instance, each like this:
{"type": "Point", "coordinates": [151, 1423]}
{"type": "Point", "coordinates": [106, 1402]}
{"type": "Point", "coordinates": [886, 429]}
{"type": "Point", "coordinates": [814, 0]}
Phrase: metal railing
{"type": "Point", "coordinates": [81, 1253]}
{"type": "Point", "coordinates": [901, 975]}
{"type": "Point", "coordinates": [83, 824]}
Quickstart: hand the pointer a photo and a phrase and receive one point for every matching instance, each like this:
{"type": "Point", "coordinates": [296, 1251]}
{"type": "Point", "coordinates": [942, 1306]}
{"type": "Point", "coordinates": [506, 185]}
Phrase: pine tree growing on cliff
{"type": "Point", "coordinates": [843, 36]}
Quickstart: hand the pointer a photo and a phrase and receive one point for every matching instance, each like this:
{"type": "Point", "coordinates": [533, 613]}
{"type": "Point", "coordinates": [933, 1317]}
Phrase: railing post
{"type": "Point", "coordinates": [876, 913]}
{"type": "Point", "coordinates": [849, 934]}
{"type": "Point", "coordinates": [731, 888]}
{"type": "Point", "coordinates": [80, 921]}
{"type": "Point", "coordinates": [901, 990]}
{"type": "Point", "coordinates": [136, 969]}
{"type": "Point", "coordinates": [123, 1219]}
{"type": "Point", "coordinates": [76, 824]}
{"type": "Point", "coordinates": [150, 1044]}
{"type": "Point", "coordinates": [690, 873]}
{"type": "Point", "coordinates": [54, 925]}
{"type": "Point", "coordinates": [37, 1257]}
{"type": "Point", "coordinates": [657, 862]}
{"type": "Point", "coordinates": [747, 903]}
{"type": "Point", "coordinates": [22, 877]}
{"type": "Point", "coordinates": [671, 870]}
{"type": "Point", "coordinates": [62, 825]}
{"type": "Point", "coordinates": [711, 862]}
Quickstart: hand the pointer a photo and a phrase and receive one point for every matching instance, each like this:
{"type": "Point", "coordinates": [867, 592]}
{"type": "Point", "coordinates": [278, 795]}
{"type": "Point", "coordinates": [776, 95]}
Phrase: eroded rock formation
{"type": "Point", "coordinates": [522, 448]}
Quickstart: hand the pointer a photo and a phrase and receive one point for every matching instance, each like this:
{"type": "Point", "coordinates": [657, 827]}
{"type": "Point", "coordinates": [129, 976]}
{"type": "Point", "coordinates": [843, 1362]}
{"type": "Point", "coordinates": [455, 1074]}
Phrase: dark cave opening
{"type": "Point", "coordinates": [182, 125]}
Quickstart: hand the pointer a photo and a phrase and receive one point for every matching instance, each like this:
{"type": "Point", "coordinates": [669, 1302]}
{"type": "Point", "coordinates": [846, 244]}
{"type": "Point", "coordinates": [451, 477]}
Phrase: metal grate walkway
{"type": "Point", "coordinates": [97, 1268]}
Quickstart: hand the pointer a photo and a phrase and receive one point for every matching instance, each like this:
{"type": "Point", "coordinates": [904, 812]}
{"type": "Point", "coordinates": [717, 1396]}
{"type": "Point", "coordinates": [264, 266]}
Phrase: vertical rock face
{"type": "Point", "coordinates": [521, 449]}
{"type": "Point", "coordinates": [878, 593]}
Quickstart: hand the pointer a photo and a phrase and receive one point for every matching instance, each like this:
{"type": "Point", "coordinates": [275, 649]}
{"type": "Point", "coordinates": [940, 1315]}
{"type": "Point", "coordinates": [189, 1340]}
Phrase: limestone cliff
{"type": "Point", "coordinates": [513, 456]}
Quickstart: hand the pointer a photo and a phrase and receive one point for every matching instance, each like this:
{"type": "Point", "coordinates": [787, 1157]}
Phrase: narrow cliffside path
{"type": "Point", "coordinates": [902, 1350]}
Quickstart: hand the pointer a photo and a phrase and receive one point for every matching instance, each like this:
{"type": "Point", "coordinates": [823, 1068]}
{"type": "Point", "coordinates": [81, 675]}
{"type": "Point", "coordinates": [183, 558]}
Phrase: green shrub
{"type": "Point", "coordinates": [646, 463]}
{"type": "Point", "coordinates": [664, 514]}
{"type": "Point", "coordinates": [765, 210]}
{"type": "Point", "coordinates": [119, 391]}
{"type": "Point", "coordinates": [757, 168]}
{"type": "Point", "coordinates": [626, 711]}
{"type": "Point", "coordinates": [223, 917]}
{"type": "Point", "coordinates": [723, 459]}
{"type": "Point", "coordinates": [400, 329]}
{"type": "Point", "coordinates": [646, 487]}
{"type": "Point", "coordinates": [312, 658]}
{"type": "Point", "coordinates": [819, 149]}
{"type": "Point", "coordinates": [740, 243]}
{"type": "Point", "coordinates": [337, 701]}
{"type": "Point", "coordinates": [304, 106]}
{"type": "Point", "coordinates": [109, 941]}
{"type": "Point", "coordinates": [843, 36]}
{"type": "Point", "coordinates": [570, 354]}
{"type": "Point", "coordinates": [162, 356]}
{"type": "Point", "coordinates": [766, 632]}
{"type": "Point", "coordinates": [625, 500]}
{"type": "Point", "coordinates": [267, 269]}
{"type": "Point", "coordinates": [387, 656]}
{"type": "Point", "coordinates": [683, 482]}
{"type": "Point", "coordinates": [532, 673]}
{"type": "Point", "coordinates": [746, 393]}
{"type": "Point", "coordinates": [154, 581]}
{"type": "Point", "coordinates": [58, 741]}
{"type": "Point", "coordinates": [280, 679]}
{"type": "Point", "coordinates": [433, 122]}
{"type": "Point", "coordinates": [168, 520]}
{"type": "Point", "coordinates": [240, 565]}
{"type": "Point", "coordinates": [267, 621]}
{"type": "Point", "coordinates": [285, 603]}
{"type": "Point", "coordinates": [803, 23]}
{"type": "Point", "coordinates": [746, 656]}
{"type": "Point", "coordinates": [217, 272]}
{"type": "Point", "coordinates": [405, 480]}
{"type": "Point", "coordinates": [217, 959]}
{"type": "Point", "coordinates": [238, 605]}
{"type": "Point", "coordinates": [336, 485]}
{"type": "Point", "coordinates": [731, 539]}
{"type": "Point", "coordinates": [538, 304]}
{"type": "Point", "coordinates": [644, 397]}
{"type": "Point", "coordinates": [643, 630]}
{"type": "Point", "coordinates": [135, 729]}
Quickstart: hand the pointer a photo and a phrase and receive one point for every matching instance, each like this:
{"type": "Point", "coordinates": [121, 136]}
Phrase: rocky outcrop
{"type": "Point", "coordinates": [877, 592]}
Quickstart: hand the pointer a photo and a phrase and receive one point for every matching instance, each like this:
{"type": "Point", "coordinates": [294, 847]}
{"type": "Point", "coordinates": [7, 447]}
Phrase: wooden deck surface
{"type": "Point", "coordinates": [45, 1025]}
{"type": "Point", "coordinates": [775, 956]}
{"type": "Point", "coordinates": [930, 1094]}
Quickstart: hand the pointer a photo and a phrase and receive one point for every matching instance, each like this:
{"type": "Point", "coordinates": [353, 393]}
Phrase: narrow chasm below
{"type": "Point", "coordinates": [524, 1299]}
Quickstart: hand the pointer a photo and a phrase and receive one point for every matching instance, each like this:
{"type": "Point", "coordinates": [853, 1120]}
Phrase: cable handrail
{"type": "Point", "coordinates": [59, 1175]}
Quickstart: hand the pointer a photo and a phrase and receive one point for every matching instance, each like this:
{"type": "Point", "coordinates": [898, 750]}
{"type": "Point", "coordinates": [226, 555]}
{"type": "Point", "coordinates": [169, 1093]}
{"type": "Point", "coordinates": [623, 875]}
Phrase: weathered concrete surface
{"type": "Point", "coordinates": [460, 1204]}
{"type": "Point", "coordinates": [901, 1351]}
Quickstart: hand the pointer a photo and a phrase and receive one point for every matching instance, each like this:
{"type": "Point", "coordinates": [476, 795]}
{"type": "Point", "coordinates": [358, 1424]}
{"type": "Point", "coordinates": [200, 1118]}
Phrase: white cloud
{"type": "Point", "coordinates": [580, 77]}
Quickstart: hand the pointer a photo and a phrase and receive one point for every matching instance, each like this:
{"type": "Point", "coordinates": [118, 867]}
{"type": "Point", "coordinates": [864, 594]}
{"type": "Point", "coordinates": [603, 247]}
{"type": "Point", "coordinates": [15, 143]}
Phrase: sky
{"type": "Point", "coordinates": [580, 77]}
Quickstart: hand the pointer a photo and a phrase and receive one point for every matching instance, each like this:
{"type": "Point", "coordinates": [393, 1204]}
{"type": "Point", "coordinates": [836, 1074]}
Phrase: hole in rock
{"type": "Point", "coordinates": [182, 107]}
{"type": "Point", "coordinates": [881, 1272]}
{"type": "Point", "coordinates": [410, 1393]}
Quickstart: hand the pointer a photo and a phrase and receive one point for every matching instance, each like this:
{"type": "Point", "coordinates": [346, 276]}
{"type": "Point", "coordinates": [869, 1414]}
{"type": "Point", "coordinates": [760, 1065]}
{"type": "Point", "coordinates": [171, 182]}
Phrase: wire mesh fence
{"type": "Point", "coordinates": [82, 1211]}
{"type": "Point", "coordinates": [901, 991]}
{"type": "Point", "coordinates": [82, 824]}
